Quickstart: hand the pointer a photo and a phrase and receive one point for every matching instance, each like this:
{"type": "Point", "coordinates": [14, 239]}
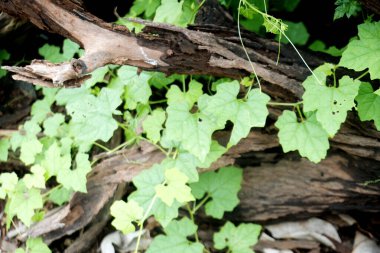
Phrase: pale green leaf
{"type": "Point", "coordinates": [153, 125]}
{"type": "Point", "coordinates": [365, 52]}
{"type": "Point", "coordinates": [36, 179]}
{"type": "Point", "coordinates": [250, 113]}
{"type": "Point", "coordinates": [75, 178]}
{"type": "Point", "coordinates": [51, 124]}
{"type": "Point", "coordinates": [238, 239]}
{"type": "Point", "coordinates": [60, 195]}
{"type": "Point", "coordinates": [175, 239]}
{"type": "Point", "coordinates": [296, 32]}
{"type": "Point", "coordinates": [8, 182]}
{"type": "Point", "coordinates": [331, 103]}
{"type": "Point", "coordinates": [126, 213]}
{"type": "Point", "coordinates": [97, 76]}
{"type": "Point", "coordinates": [53, 161]}
{"type": "Point", "coordinates": [145, 183]}
{"type": "Point", "coordinates": [170, 11]}
{"type": "Point", "coordinates": [137, 89]}
{"type": "Point", "coordinates": [29, 149]}
{"type": "Point", "coordinates": [36, 245]}
{"type": "Point", "coordinates": [368, 104]}
{"type": "Point", "coordinates": [308, 136]}
{"type": "Point", "coordinates": [92, 116]}
{"type": "Point", "coordinates": [222, 187]}
{"type": "Point", "coordinates": [174, 188]}
{"type": "Point", "coordinates": [4, 146]}
{"type": "Point", "coordinates": [67, 96]}
{"type": "Point", "coordinates": [175, 95]}
{"type": "Point", "coordinates": [184, 162]}
{"type": "Point", "coordinates": [23, 201]}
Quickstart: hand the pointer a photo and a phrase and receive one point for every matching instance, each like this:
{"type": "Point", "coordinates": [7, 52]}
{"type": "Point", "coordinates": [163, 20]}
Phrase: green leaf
{"type": "Point", "coordinates": [320, 46]}
{"type": "Point", "coordinates": [274, 25]}
{"type": "Point", "coordinates": [68, 96]}
{"type": "Point", "coordinates": [60, 195]}
{"type": "Point", "coordinates": [4, 146]}
{"type": "Point", "coordinates": [8, 183]}
{"type": "Point", "coordinates": [37, 179]}
{"type": "Point", "coordinates": [175, 95]}
{"type": "Point", "coordinates": [238, 239]}
{"type": "Point", "coordinates": [36, 245]}
{"type": "Point", "coordinates": [170, 11]}
{"type": "Point", "coordinates": [216, 151]}
{"type": "Point", "coordinates": [53, 54]}
{"type": "Point", "coordinates": [365, 52]}
{"type": "Point", "coordinates": [148, 8]}
{"type": "Point", "coordinates": [23, 201]}
{"type": "Point", "coordinates": [346, 7]}
{"type": "Point", "coordinates": [331, 103]}
{"type": "Point", "coordinates": [222, 187]}
{"type": "Point", "coordinates": [4, 55]}
{"type": "Point", "coordinates": [368, 104]}
{"type": "Point", "coordinates": [245, 114]}
{"type": "Point", "coordinates": [250, 113]}
{"type": "Point", "coordinates": [308, 136]}
{"type": "Point", "coordinates": [125, 214]}
{"type": "Point", "coordinates": [145, 183]}
{"type": "Point", "coordinates": [174, 188]}
{"type": "Point", "coordinates": [137, 89]}
{"type": "Point", "coordinates": [53, 161]}
{"type": "Point", "coordinates": [296, 32]}
{"type": "Point", "coordinates": [192, 130]}
{"type": "Point", "coordinates": [29, 149]}
{"type": "Point", "coordinates": [92, 116]}
{"type": "Point", "coordinates": [184, 162]}
{"type": "Point", "coordinates": [97, 76]}
{"type": "Point", "coordinates": [175, 239]}
{"type": "Point", "coordinates": [288, 5]}
{"type": "Point", "coordinates": [51, 124]}
{"type": "Point", "coordinates": [75, 179]}
{"type": "Point", "coordinates": [153, 125]}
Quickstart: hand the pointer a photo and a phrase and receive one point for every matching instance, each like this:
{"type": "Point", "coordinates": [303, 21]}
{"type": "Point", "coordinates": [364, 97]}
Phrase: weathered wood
{"type": "Point", "coordinates": [301, 189]}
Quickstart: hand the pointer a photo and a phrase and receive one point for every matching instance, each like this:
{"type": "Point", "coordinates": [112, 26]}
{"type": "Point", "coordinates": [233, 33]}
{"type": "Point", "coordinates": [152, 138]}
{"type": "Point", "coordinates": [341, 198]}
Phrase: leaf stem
{"type": "Point", "coordinates": [242, 44]}
{"type": "Point", "coordinates": [362, 75]}
{"type": "Point", "coordinates": [299, 112]}
{"type": "Point", "coordinates": [141, 225]}
{"type": "Point", "coordinates": [157, 101]}
{"type": "Point", "coordinates": [154, 144]}
{"type": "Point", "coordinates": [200, 204]}
{"type": "Point", "coordinates": [192, 219]}
{"type": "Point", "coordinates": [102, 147]}
{"type": "Point", "coordinates": [285, 104]}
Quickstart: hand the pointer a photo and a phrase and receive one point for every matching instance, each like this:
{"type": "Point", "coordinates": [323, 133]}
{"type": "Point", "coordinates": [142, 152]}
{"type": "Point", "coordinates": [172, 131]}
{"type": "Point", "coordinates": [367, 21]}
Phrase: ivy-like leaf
{"type": "Point", "coordinates": [92, 116]}
{"type": "Point", "coordinates": [153, 125]}
{"type": "Point", "coordinates": [37, 179]}
{"type": "Point", "coordinates": [145, 183]}
{"type": "Point", "coordinates": [308, 136]}
{"type": "Point", "coordinates": [53, 161]}
{"type": "Point", "coordinates": [169, 11]}
{"type": "Point", "coordinates": [224, 106]}
{"type": "Point", "coordinates": [238, 239]}
{"type": "Point", "coordinates": [365, 52]}
{"type": "Point", "coordinates": [60, 195]}
{"type": "Point", "coordinates": [368, 104]}
{"type": "Point", "coordinates": [222, 187]}
{"type": "Point", "coordinates": [53, 54]}
{"type": "Point", "coordinates": [4, 146]}
{"type": "Point", "coordinates": [346, 7]}
{"type": "Point", "coordinates": [125, 214]}
{"type": "Point", "coordinates": [137, 89]}
{"type": "Point", "coordinates": [51, 124]}
{"type": "Point", "coordinates": [174, 188]}
{"type": "Point", "coordinates": [75, 179]}
{"type": "Point", "coordinates": [23, 201]}
{"type": "Point", "coordinates": [29, 149]}
{"type": "Point", "coordinates": [8, 182]}
{"type": "Point", "coordinates": [333, 105]}
{"type": "Point", "coordinates": [34, 245]}
{"type": "Point", "coordinates": [175, 239]}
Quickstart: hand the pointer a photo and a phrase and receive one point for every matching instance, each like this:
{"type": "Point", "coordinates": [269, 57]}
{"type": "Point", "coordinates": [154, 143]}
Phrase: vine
{"type": "Point", "coordinates": [181, 125]}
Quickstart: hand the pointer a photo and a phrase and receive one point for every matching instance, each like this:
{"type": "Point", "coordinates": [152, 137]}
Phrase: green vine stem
{"type": "Point", "coordinates": [200, 204]}
{"type": "Point", "coordinates": [299, 112]}
{"type": "Point", "coordinates": [285, 104]}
